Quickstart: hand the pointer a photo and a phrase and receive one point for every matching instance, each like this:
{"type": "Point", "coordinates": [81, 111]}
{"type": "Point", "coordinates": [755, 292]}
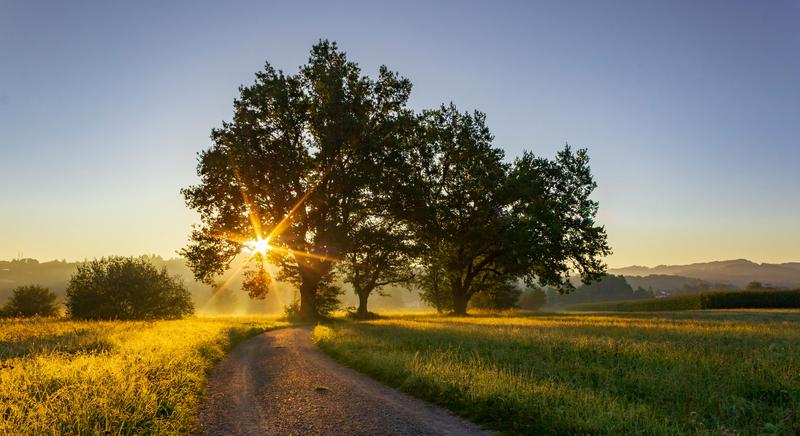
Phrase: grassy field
{"type": "Point", "coordinates": [666, 373]}
{"type": "Point", "coordinates": [59, 376]}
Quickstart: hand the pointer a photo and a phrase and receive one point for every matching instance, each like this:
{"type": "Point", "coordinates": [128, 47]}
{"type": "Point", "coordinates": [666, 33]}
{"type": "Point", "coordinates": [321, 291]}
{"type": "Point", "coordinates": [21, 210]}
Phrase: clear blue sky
{"type": "Point", "coordinates": [690, 110]}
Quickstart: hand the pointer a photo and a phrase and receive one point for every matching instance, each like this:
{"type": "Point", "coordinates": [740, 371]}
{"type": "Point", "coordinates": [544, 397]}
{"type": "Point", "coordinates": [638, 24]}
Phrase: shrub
{"type": "Point", "coordinates": [126, 288]}
{"type": "Point", "coordinates": [327, 298]}
{"type": "Point", "coordinates": [433, 288]}
{"type": "Point", "coordinates": [533, 299]}
{"type": "Point", "coordinates": [29, 301]}
{"type": "Point", "coordinates": [497, 296]}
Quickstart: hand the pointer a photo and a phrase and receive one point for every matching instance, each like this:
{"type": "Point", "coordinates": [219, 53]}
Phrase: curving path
{"type": "Point", "coordinates": [279, 383]}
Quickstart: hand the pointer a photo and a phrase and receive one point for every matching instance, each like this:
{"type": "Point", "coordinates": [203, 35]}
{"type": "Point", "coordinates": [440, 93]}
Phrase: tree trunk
{"type": "Point", "coordinates": [362, 304]}
{"type": "Point", "coordinates": [460, 301]}
{"type": "Point", "coordinates": [308, 303]}
{"type": "Point", "coordinates": [308, 294]}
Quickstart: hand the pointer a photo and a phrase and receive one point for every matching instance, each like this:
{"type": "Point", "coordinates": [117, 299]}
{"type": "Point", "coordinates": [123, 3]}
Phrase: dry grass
{"type": "Point", "coordinates": [59, 376]}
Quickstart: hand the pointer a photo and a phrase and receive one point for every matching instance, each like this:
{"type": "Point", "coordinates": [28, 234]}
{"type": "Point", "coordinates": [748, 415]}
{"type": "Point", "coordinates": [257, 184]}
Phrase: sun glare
{"type": "Point", "coordinates": [257, 246]}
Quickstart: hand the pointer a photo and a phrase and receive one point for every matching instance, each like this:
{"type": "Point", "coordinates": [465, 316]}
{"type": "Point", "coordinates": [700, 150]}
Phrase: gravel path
{"type": "Point", "coordinates": [279, 383]}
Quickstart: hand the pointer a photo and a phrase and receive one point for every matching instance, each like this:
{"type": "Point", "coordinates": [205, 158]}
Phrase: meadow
{"type": "Point", "coordinates": [694, 372]}
{"type": "Point", "coordinates": [76, 377]}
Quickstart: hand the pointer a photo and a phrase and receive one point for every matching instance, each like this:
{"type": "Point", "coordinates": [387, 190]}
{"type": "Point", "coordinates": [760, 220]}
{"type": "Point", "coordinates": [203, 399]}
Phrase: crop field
{"type": "Point", "coordinates": [60, 376]}
{"type": "Point", "coordinates": [694, 372]}
{"type": "Point", "coordinates": [784, 299]}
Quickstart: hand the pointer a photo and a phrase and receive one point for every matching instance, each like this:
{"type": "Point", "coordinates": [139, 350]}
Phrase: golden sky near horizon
{"type": "Point", "coordinates": [689, 112]}
{"type": "Point", "coordinates": [634, 242]}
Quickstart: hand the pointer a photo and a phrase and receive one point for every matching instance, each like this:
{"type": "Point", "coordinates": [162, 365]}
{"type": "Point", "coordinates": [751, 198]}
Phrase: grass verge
{"type": "Point", "coordinates": [77, 377]}
{"type": "Point", "coordinates": [690, 372]}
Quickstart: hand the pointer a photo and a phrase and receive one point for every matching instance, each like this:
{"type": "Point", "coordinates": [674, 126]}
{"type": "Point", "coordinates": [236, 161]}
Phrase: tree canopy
{"type": "Point", "coordinates": [327, 171]}
{"type": "Point", "coordinates": [32, 300]}
{"type": "Point", "coordinates": [126, 288]}
{"type": "Point", "coordinates": [483, 221]}
{"type": "Point", "coordinates": [292, 168]}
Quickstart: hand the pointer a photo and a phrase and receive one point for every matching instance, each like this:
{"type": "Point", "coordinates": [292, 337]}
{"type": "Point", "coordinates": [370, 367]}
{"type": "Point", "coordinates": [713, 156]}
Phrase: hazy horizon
{"type": "Point", "coordinates": [611, 267]}
{"type": "Point", "coordinates": [689, 111]}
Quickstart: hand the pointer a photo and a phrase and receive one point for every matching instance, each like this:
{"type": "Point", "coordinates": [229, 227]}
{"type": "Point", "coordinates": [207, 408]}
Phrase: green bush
{"type": "Point", "coordinates": [532, 299]}
{"type": "Point", "coordinates": [33, 300]}
{"type": "Point", "coordinates": [706, 300]}
{"type": "Point", "coordinates": [501, 295]}
{"type": "Point", "coordinates": [126, 288]}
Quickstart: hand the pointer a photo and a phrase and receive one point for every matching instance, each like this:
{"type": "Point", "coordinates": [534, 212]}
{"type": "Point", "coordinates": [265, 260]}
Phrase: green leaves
{"type": "Point", "coordinates": [126, 288]}
{"type": "Point", "coordinates": [301, 162]}
{"type": "Point", "coordinates": [333, 163]}
{"type": "Point", "coordinates": [27, 301]}
{"type": "Point", "coordinates": [485, 221]}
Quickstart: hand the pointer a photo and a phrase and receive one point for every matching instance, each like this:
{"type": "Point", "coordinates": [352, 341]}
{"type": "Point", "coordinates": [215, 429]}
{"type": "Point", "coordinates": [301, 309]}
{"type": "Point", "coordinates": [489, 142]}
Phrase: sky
{"type": "Point", "coordinates": [690, 110]}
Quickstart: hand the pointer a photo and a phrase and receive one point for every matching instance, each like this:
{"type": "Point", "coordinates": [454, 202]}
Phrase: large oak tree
{"type": "Point", "coordinates": [482, 220]}
{"type": "Point", "coordinates": [292, 168]}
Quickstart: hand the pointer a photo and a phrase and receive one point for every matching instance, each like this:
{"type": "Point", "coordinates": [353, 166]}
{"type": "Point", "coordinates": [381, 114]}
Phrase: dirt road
{"type": "Point", "coordinates": [279, 383]}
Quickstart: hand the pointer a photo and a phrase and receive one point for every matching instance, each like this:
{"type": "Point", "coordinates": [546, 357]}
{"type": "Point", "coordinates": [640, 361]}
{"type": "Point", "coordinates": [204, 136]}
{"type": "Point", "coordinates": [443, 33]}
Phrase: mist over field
{"type": "Point", "coordinates": [227, 300]}
{"type": "Point", "coordinates": [231, 300]}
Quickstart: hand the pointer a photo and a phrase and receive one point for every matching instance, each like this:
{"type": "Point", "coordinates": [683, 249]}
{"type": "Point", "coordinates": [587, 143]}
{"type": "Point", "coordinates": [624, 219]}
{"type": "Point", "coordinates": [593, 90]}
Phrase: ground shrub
{"type": "Point", "coordinates": [28, 301]}
{"type": "Point", "coordinates": [500, 295]}
{"type": "Point", "coordinates": [126, 288]}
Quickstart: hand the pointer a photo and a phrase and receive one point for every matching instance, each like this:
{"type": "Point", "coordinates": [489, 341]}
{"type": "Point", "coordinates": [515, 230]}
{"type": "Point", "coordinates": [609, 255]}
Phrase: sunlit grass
{"type": "Point", "coordinates": [59, 376]}
{"type": "Point", "coordinates": [666, 373]}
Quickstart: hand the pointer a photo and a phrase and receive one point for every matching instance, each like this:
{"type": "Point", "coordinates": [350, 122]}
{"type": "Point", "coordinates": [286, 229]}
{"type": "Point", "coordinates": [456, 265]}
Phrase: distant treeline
{"type": "Point", "coordinates": [752, 299]}
{"type": "Point", "coordinates": [615, 288]}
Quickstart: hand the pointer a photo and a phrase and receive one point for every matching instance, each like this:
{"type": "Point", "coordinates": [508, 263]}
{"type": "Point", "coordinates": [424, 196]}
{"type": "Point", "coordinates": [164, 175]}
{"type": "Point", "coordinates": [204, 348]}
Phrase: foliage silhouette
{"type": "Point", "coordinates": [482, 220]}
{"type": "Point", "coordinates": [295, 165]}
{"type": "Point", "coordinates": [381, 254]}
{"type": "Point", "coordinates": [774, 299]}
{"type": "Point", "coordinates": [28, 301]}
{"type": "Point", "coordinates": [340, 177]}
{"type": "Point", "coordinates": [126, 288]}
{"type": "Point", "coordinates": [497, 295]}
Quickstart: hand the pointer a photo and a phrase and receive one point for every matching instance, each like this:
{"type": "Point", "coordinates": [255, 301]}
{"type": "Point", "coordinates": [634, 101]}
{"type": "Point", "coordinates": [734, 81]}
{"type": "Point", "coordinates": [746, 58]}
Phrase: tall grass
{"type": "Point", "coordinates": [692, 372]}
{"type": "Point", "coordinates": [59, 376]}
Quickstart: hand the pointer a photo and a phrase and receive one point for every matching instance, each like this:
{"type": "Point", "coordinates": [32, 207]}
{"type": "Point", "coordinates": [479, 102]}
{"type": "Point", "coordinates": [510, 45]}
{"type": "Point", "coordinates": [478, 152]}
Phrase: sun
{"type": "Point", "coordinates": [258, 246]}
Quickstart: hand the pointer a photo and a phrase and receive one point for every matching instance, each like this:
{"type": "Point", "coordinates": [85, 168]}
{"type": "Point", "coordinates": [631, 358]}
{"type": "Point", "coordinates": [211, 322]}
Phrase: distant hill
{"type": "Point", "coordinates": [737, 272]}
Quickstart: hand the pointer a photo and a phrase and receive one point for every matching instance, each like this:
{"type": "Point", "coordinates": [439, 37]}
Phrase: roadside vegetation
{"type": "Point", "coordinates": [773, 299]}
{"type": "Point", "coordinates": [126, 288]}
{"type": "Point", "coordinates": [111, 377]}
{"type": "Point", "coordinates": [28, 301]}
{"type": "Point", "coordinates": [679, 373]}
